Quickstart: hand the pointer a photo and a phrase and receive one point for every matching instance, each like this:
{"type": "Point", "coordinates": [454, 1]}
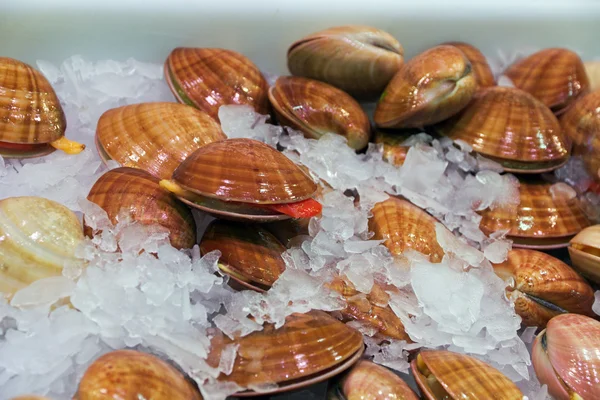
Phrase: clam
{"type": "Point", "coordinates": [316, 108]}
{"type": "Point", "coordinates": [286, 230]}
{"type": "Point", "coordinates": [32, 120]}
{"type": "Point", "coordinates": [249, 253]}
{"type": "Point", "coordinates": [360, 60]}
{"type": "Point", "coordinates": [429, 88]}
{"type": "Point", "coordinates": [442, 374]}
{"type": "Point", "coordinates": [592, 70]}
{"type": "Point", "coordinates": [481, 69]}
{"type": "Point", "coordinates": [37, 237]}
{"type": "Point", "coordinates": [542, 287]}
{"type": "Point", "coordinates": [138, 194]}
{"type": "Point", "coordinates": [512, 128]}
{"type": "Point", "coordinates": [394, 151]}
{"type": "Point", "coordinates": [566, 357]}
{"type": "Point", "coordinates": [244, 179]}
{"type": "Point", "coordinates": [208, 78]}
{"type": "Point", "coordinates": [584, 250]}
{"type": "Point", "coordinates": [155, 137]}
{"type": "Point", "coordinates": [555, 76]}
{"type": "Point", "coordinates": [130, 374]}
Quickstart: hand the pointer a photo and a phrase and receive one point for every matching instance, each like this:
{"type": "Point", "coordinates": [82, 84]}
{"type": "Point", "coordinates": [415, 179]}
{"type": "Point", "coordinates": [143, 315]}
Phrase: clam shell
{"type": "Point", "coordinates": [584, 250]}
{"type": "Point", "coordinates": [544, 287]}
{"type": "Point", "coordinates": [394, 151]}
{"type": "Point", "coordinates": [429, 88]}
{"type": "Point", "coordinates": [511, 127]}
{"type": "Point", "coordinates": [481, 69]}
{"type": "Point", "coordinates": [369, 381]}
{"type": "Point", "coordinates": [137, 193]}
{"type": "Point", "coordinates": [129, 374]}
{"type": "Point", "coordinates": [555, 76]}
{"type": "Point", "coordinates": [37, 237]}
{"type": "Point", "coordinates": [592, 70]}
{"type": "Point", "coordinates": [461, 377]}
{"type": "Point", "coordinates": [208, 78]}
{"type": "Point", "coordinates": [317, 108]}
{"type": "Point", "coordinates": [358, 59]}
{"type": "Point", "coordinates": [285, 231]}
{"type": "Point", "coordinates": [155, 137]}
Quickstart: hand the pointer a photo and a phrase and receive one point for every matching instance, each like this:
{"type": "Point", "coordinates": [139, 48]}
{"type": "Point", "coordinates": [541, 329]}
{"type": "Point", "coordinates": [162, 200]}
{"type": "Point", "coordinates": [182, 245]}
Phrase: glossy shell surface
{"type": "Point", "coordinates": [482, 70]}
{"type": "Point", "coordinates": [369, 381]}
{"type": "Point", "coordinates": [584, 250]}
{"type": "Point", "coordinates": [394, 151]}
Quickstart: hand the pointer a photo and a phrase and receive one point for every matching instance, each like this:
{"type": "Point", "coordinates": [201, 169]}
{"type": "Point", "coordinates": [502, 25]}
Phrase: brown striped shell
{"type": "Point", "coordinates": [316, 108]}
{"type": "Point", "coordinates": [369, 381]}
{"type": "Point", "coordinates": [429, 88]}
{"type": "Point", "coordinates": [481, 69]}
{"type": "Point", "coordinates": [511, 127]}
{"type": "Point", "coordinates": [207, 78]}
{"type": "Point", "coordinates": [544, 286]}
{"type": "Point", "coordinates": [155, 137]}
{"type": "Point", "coordinates": [584, 250]}
{"type": "Point", "coordinates": [394, 151]}
{"type": "Point", "coordinates": [137, 193]}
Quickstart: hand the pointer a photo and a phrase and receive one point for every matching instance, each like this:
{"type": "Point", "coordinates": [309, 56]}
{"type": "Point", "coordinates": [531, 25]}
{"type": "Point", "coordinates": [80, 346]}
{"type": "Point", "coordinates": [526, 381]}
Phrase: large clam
{"type": "Point", "coordinates": [155, 137]}
{"type": "Point", "coordinates": [542, 287]}
{"type": "Point", "coordinates": [566, 357]}
{"type": "Point", "coordinates": [429, 88]}
{"type": "Point", "coordinates": [316, 108]}
{"type": "Point", "coordinates": [358, 59]}
{"type": "Point", "coordinates": [244, 179]}
{"type": "Point", "coordinates": [37, 238]}
{"type": "Point", "coordinates": [584, 250]}
{"type": "Point", "coordinates": [481, 69]}
{"type": "Point", "coordinates": [32, 120]}
{"type": "Point", "coordinates": [138, 194]}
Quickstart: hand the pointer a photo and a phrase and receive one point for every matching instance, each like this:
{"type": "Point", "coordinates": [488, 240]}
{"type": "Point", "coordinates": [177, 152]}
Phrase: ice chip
{"type": "Point", "coordinates": [43, 292]}
{"type": "Point", "coordinates": [596, 305]}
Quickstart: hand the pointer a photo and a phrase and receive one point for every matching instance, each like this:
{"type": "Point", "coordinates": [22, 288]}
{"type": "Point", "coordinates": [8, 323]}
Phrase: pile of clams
{"type": "Point", "coordinates": [176, 161]}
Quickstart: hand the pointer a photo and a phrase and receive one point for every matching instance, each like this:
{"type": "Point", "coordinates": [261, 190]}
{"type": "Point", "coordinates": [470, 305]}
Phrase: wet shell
{"type": "Point", "coordinates": [208, 78]}
{"type": "Point", "coordinates": [316, 108]}
{"type": "Point", "coordinates": [481, 69]}
{"type": "Point", "coordinates": [360, 60]}
{"type": "Point", "coordinates": [429, 88]}
{"type": "Point", "coordinates": [37, 237]}
{"type": "Point", "coordinates": [555, 76]}
{"type": "Point", "coordinates": [584, 250]}
{"type": "Point", "coordinates": [592, 70]}
{"type": "Point", "coordinates": [369, 381]}
{"type": "Point", "coordinates": [543, 287]}
{"type": "Point", "coordinates": [129, 374]}
{"type": "Point", "coordinates": [444, 374]}
{"type": "Point", "coordinates": [138, 194]}
{"type": "Point", "coordinates": [512, 128]}
{"type": "Point", "coordinates": [155, 137]}
{"type": "Point", "coordinates": [394, 151]}
{"type": "Point", "coordinates": [285, 231]}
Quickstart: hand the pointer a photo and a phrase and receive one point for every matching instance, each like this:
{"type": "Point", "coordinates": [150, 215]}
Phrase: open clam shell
{"type": "Point", "coordinates": [481, 69]}
{"type": "Point", "coordinates": [584, 250]}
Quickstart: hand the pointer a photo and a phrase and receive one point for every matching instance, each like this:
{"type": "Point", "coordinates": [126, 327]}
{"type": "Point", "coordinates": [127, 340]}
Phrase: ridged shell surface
{"type": "Point", "coordinates": [483, 73]}
{"type": "Point", "coordinates": [369, 381]}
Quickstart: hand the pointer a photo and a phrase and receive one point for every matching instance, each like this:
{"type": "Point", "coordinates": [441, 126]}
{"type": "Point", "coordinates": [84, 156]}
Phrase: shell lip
{"type": "Point", "coordinates": [42, 149]}
{"type": "Point", "coordinates": [245, 281]}
{"type": "Point", "coordinates": [104, 156]}
{"type": "Point", "coordinates": [583, 254]}
{"type": "Point", "coordinates": [235, 216]}
{"type": "Point", "coordinates": [541, 243]}
{"type": "Point", "coordinates": [528, 167]}
{"type": "Point", "coordinates": [175, 87]}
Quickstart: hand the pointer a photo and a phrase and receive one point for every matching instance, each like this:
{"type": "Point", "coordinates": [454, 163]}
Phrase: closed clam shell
{"type": "Point", "coordinates": [584, 250]}
{"type": "Point", "coordinates": [358, 59]}
{"type": "Point", "coordinates": [207, 78]}
{"type": "Point", "coordinates": [137, 193]}
{"type": "Point", "coordinates": [481, 69]}
{"type": "Point", "coordinates": [512, 128]}
{"type": "Point", "coordinates": [427, 89]}
{"type": "Point", "coordinates": [155, 137]}
{"type": "Point", "coordinates": [130, 374]}
{"type": "Point", "coordinates": [544, 287]}
{"type": "Point", "coordinates": [555, 76]}
{"type": "Point", "coordinates": [37, 237]}
{"type": "Point", "coordinates": [394, 151]}
{"type": "Point", "coordinates": [442, 374]}
{"type": "Point", "coordinates": [316, 108]}
{"type": "Point", "coordinates": [369, 381]}
{"type": "Point", "coordinates": [566, 357]}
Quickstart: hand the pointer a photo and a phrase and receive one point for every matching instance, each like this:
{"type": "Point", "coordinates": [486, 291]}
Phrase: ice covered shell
{"type": "Point", "coordinates": [584, 250]}
{"type": "Point", "coordinates": [155, 137]}
{"type": "Point", "coordinates": [207, 78]}
{"type": "Point", "coordinates": [566, 357]}
{"type": "Point", "coordinates": [511, 127]}
{"type": "Point", "coordinates": [369, 381]}
{"type": "Point", "coordinates": [481, 69]}
{"type": "Point", "coordinates": [442, 374]}
{"type": "Point", "coordinates": [138, 193]}
{"type": "Point", "coordinates": [316, 108]}
{"type": "Point", "coordinates": [393, 150]}
{"type": "Point", "coordinates": [555, 76]}
{"type": "Point", "coordinates": [130, 374]}
{"type": "Point", "coordinates": [37, 237]}
{"type": "Point", "coordinates": [543, 287]}
{"type": "Point", "coordinates": [358, 59]}
{"type": "Point", "coordinates": [429, 88]}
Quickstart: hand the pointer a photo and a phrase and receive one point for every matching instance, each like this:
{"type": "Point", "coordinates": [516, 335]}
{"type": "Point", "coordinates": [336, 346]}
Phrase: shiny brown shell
{"type": "Point", "coordinates": [394, 151]}
{"type": "Point", "coordinates": [584, 250]}
{"type": "Point", "coordinates": [155, 137]}
{"type": "Point", "coordinates": [482, 70]}
{"type": "Point", "coordinates": [369, 381]}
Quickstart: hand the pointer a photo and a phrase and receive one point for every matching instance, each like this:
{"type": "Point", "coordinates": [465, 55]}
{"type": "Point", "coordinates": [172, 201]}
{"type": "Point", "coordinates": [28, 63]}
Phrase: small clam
{"type": "Point", "coordinates": [244, 179]}
{"type": "Point", "coordinates": [138, 193]}
{"type": "Point", "coordinates": [317, 108]}
{"type": "Point", "coordinates": [444, 375]}
{"type": "Point", "coordinates": [394, 151]}
{"type": "Point", "coordinates": [543, 286]}
{"type": "Point", "coordinates": [129, 375]}
{"type": "Point", "coordinates": [512, 128]}
{"type": "Point", "coordinates": [481, 69]}
{"type": "Point", "coordinates": [32, 121]}
{"type": "Point", "coordinates": [566, 357]}
{"type": "Point", "coordinates": [360, 60]}
{"type": "Point", "coordinates": [155, 137]}
{"type": "Point", "coordinates": [429, 88]}
{"type": "Point", "coordinates": [592, 70]}
{"type": "Point", "coordinates": [37, 237]}
{"type": "Point", "coordinates": [584, 250]}
{"type": "Point", "coordinates": [208, 78]}
{"type": "Point", "coordinates": [555, 76]}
